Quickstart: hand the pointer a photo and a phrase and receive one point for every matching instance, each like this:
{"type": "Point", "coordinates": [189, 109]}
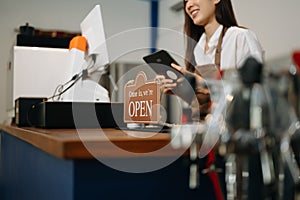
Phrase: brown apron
{"type": "Point", "coordinates": [202, 103]}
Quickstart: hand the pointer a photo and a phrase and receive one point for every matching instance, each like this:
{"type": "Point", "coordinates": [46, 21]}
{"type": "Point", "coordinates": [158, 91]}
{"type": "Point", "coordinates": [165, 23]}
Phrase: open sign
{"type": "Point", "coordinates": [141, 100]}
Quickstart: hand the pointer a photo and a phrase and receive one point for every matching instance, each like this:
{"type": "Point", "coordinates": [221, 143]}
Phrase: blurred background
{"type": "Point", "coordinates": [274, 22]}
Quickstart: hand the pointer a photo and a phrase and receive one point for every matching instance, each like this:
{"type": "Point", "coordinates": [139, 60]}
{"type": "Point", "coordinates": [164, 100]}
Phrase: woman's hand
{"type": "Point", "coordinates": [198, 78]}
{"type": "Point", "coordinates": [179, 68]}
{"type": "Point", "coordinates": [166, 85]}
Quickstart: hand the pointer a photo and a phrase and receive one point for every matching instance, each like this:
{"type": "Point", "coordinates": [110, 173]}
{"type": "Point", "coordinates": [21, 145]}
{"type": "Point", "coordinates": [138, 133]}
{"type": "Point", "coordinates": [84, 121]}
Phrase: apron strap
{"type": "Point", "coordinates": [218, 49]}
{"type": "Point", "coordinates": [211, 155]}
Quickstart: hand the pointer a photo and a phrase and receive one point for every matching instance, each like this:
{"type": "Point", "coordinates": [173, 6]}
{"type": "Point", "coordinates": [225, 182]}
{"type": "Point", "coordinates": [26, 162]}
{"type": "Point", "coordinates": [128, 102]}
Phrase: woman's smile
{"type": "Point", "coordinates": [194, 13]}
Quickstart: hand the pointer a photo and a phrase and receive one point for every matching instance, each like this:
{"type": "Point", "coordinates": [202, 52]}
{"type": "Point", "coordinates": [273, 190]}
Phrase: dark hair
{"type": "Point", "coordinates": [224, 15]}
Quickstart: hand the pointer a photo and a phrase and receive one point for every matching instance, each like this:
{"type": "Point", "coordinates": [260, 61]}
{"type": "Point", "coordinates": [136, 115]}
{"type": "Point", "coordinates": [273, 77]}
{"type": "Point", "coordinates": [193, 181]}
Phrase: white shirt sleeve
{"type": "Point", "coordinates": [240, 44]}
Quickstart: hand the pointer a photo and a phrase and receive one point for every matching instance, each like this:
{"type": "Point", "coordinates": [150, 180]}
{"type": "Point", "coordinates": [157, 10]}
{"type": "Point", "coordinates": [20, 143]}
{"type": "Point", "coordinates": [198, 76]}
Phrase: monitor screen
{"type": "Point", "coordinates": [87, 89]}
{"type": "Point", "coordinates": [92, 29]}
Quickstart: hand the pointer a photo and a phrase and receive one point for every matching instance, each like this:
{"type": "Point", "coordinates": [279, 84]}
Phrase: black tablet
{"type": "Point", "coordinates": [160, 62]}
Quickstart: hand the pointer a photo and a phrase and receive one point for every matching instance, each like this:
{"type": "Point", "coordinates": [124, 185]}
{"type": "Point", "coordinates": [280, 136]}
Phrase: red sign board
{"type": "Point", "coordinates": [141, 100]}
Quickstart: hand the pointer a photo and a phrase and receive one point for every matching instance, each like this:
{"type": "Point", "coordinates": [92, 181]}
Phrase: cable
{"type": "Point", "coordinates": [60, 87]}
{"type": "Point", "coordinates": [83, 74]}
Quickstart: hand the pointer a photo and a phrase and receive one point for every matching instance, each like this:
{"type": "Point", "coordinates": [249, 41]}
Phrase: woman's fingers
{"type": "Point", "coordinates": [179, 68]}
{"type": "Point", "coordinates": [165, 84]}
{"type": "Point", "coordinates": [199, 78]}
{"type": "Point", "coordinates": [166, 81]}
{"type": "Point", "coordinates": [159, 77]}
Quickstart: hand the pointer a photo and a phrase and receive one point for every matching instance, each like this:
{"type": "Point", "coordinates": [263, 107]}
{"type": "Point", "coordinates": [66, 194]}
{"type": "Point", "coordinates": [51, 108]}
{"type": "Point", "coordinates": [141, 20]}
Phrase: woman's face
{"type": "Point", "coordinates": [202, 12]}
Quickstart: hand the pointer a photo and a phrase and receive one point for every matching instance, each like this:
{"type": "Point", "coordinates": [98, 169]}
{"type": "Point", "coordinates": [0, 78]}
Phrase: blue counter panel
{"type": "Point", "coordinates": [30, 173]}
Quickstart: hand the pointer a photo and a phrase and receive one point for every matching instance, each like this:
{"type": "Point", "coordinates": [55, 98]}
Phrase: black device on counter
{"type": "Point", "coordinates": [78, 115]}
{"type": "Point", "coordinates": [23, 105]}
{"type": "Point", "coordinates": [38, 112]}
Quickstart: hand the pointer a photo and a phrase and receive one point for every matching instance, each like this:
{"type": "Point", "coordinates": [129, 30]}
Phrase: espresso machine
{"type": "Point", "coordinates": [255, 128]}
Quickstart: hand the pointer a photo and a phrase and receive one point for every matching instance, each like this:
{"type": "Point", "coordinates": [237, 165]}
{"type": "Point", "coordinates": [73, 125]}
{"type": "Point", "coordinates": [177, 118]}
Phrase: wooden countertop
{"type": "Point", "coordinates": [89, 143]}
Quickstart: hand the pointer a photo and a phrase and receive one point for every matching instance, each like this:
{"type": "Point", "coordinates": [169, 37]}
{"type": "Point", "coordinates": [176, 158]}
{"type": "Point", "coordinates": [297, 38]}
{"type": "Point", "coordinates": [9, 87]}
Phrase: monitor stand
{"type": "Point", "coordinates": [86, 91]}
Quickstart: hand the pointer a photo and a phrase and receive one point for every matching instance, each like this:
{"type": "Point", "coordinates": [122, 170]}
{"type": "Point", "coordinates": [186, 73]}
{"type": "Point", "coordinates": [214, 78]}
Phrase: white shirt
{"type": "Point", "coordinates": [238, 44]}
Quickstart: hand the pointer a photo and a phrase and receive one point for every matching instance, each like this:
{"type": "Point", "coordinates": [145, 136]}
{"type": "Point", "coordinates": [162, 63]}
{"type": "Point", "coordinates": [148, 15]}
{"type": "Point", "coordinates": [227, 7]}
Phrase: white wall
{"type": "Point", "coordinates": [274, 21]}
{"type": "Point", "coordinates": [276, 24]}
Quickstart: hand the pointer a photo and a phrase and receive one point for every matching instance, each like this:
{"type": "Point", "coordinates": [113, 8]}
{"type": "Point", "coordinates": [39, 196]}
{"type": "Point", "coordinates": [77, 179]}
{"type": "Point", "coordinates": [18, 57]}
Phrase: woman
{"type": "Point", "coordinates": [214, 40]}
{"type": "Point", "coordinates": [205, 22]}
